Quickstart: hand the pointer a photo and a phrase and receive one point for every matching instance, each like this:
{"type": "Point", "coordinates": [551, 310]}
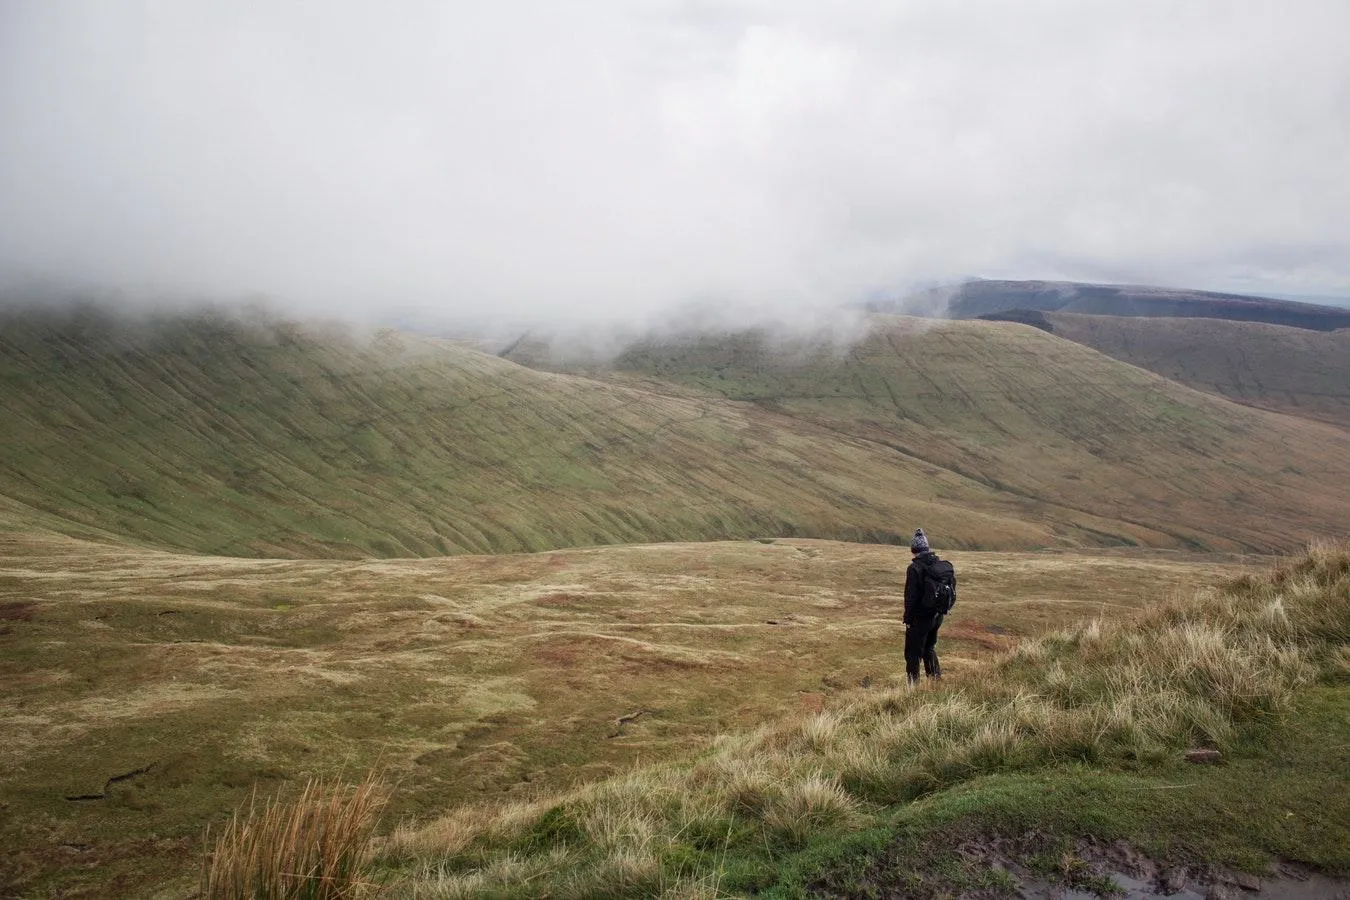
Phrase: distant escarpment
{"type": "Point", "coordinates": [998, 299]}
{"type": "Point", "coordinates": [1292, 370]}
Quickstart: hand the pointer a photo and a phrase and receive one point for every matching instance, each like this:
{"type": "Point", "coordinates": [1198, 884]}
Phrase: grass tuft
{"type": "Point", "coordinates": [310, 848]}
{"type": "Point", "coordinates": [809, 804]}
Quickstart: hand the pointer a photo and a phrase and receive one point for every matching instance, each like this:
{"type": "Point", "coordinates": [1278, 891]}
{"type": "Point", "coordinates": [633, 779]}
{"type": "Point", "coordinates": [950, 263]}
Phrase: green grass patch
{"type": "Point", "coordinates": [1276, 797]}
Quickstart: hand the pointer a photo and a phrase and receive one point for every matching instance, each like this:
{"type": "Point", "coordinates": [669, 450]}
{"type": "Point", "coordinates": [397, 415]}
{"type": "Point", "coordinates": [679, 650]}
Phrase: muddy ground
{"type": "Point", "coordinates": [1039, 867]}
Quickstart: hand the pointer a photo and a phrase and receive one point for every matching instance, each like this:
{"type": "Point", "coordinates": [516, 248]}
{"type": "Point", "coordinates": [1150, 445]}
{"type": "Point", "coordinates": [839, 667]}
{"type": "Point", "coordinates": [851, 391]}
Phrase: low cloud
{"type": "Point", "coordinates": [573, 162]}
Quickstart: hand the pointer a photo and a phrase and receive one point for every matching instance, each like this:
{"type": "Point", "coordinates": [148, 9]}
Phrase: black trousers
{"type": "Point", "coordinates": [921, 644]}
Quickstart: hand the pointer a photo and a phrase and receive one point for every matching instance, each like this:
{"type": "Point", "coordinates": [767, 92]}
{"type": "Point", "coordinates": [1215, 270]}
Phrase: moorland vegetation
{"type": "Point", "coordinates": [466, 679]}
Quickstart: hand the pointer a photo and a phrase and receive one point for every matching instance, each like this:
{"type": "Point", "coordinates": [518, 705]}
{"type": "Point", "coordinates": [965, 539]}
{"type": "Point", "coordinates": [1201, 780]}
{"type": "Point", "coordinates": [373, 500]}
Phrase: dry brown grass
{"type": "Point", "coordinates": [226, 673]}
{"type": "Point", "coordinates": [311, 847]}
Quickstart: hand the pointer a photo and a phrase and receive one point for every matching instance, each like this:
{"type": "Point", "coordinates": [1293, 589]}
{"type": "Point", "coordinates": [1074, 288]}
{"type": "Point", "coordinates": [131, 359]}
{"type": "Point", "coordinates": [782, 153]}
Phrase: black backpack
{"type": "Point", "coordinates": [937, 594]}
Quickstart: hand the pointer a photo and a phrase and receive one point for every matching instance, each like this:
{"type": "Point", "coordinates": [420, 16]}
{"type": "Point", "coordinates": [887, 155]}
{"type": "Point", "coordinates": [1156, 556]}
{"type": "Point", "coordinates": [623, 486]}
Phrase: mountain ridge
{"type": "Point", "coordinates": [247, 438]}
{"type": "Point", "coordinates": [974, 299]}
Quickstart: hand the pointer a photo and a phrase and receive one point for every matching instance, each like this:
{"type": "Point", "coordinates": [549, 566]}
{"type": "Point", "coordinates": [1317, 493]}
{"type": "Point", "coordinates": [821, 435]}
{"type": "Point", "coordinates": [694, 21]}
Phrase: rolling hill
{"type": "Point", "coordinates": [981, 298]}
{"type": "Point", "coordinates": [1044, 419]}
{"type": "Point", "coordinates": [264, 438]}
{"type": "Point", "coordinates": [1292, 370]}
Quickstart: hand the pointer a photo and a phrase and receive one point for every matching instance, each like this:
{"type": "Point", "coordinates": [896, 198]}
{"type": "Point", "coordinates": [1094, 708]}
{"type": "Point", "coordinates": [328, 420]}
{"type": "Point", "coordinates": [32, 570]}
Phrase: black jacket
{"type": "Point", "coordinates": [914, 582]}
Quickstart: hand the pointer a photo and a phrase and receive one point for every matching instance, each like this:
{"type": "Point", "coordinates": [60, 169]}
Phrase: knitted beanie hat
{"type": "Point", "coordinates": [920, 542]}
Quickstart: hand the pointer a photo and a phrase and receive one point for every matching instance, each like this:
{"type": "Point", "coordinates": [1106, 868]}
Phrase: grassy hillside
{"type": "Point", "coordinates": [1292, 370]}
{"type": "Point", "coordinates": [464, 679]}
{"type": "Point", "coordinates": [264, 438]}
{"type": "Point", "coordinates": [268, 439]}
{"type": "Point", "coordinates": [1044, 419]}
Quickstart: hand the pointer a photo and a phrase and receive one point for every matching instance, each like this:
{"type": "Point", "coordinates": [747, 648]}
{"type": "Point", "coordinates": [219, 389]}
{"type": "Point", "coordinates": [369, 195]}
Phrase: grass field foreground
{"type": "Point", "coordinates": [195, 680]}
{"type": "Point", "coordinates": [1224, 670]}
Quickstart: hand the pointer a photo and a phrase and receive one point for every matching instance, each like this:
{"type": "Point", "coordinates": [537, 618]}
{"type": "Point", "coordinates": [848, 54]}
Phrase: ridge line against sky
{"type": "Point", "coordinates": [610, 160]}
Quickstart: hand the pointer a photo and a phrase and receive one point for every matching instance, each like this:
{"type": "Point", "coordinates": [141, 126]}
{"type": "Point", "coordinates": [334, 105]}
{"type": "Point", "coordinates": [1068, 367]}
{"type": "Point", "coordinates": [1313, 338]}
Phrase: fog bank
{"type": "Point", "coordinates": [580, 161]}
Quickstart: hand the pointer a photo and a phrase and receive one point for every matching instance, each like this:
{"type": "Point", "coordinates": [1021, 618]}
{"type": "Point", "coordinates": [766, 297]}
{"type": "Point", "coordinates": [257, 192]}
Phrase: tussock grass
{"type": "Point", "coordinates": [808, 804]}
{"type": "Point", "coordinates": [450, 835]}
{"type": "Point", "coordinates": [505, 874]}
{"type": "Point", "coordinates": [1190, 672]}
{"type": "Point", "coordinates": [309, 848]}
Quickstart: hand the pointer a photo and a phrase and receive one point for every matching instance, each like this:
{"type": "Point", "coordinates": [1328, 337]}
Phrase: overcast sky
{"type": "Point", "coordinates": [572, 159]}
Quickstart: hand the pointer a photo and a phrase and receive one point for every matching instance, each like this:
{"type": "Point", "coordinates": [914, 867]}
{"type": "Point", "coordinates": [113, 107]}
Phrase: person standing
{"type": "Point", "coordinates": [930, 593]}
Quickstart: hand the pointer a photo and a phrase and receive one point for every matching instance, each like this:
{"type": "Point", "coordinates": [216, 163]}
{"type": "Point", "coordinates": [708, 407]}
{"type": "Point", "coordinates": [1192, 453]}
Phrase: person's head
{"type": "Point", "coordinates": [920, 542]}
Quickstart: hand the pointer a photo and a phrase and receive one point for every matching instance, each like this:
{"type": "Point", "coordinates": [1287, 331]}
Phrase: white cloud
{"type": "Point", "coordinates": [603, 159]}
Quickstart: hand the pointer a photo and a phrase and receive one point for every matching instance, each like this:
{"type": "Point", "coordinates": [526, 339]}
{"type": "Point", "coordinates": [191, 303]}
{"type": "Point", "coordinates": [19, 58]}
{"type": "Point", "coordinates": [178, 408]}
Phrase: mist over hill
{"type": "Point", "coordinates": [266, 437]}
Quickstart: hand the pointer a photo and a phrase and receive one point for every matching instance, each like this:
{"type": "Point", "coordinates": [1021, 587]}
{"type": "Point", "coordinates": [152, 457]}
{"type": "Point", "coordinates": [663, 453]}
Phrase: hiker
{"type": "Point", "coordinates": [930, 593]}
